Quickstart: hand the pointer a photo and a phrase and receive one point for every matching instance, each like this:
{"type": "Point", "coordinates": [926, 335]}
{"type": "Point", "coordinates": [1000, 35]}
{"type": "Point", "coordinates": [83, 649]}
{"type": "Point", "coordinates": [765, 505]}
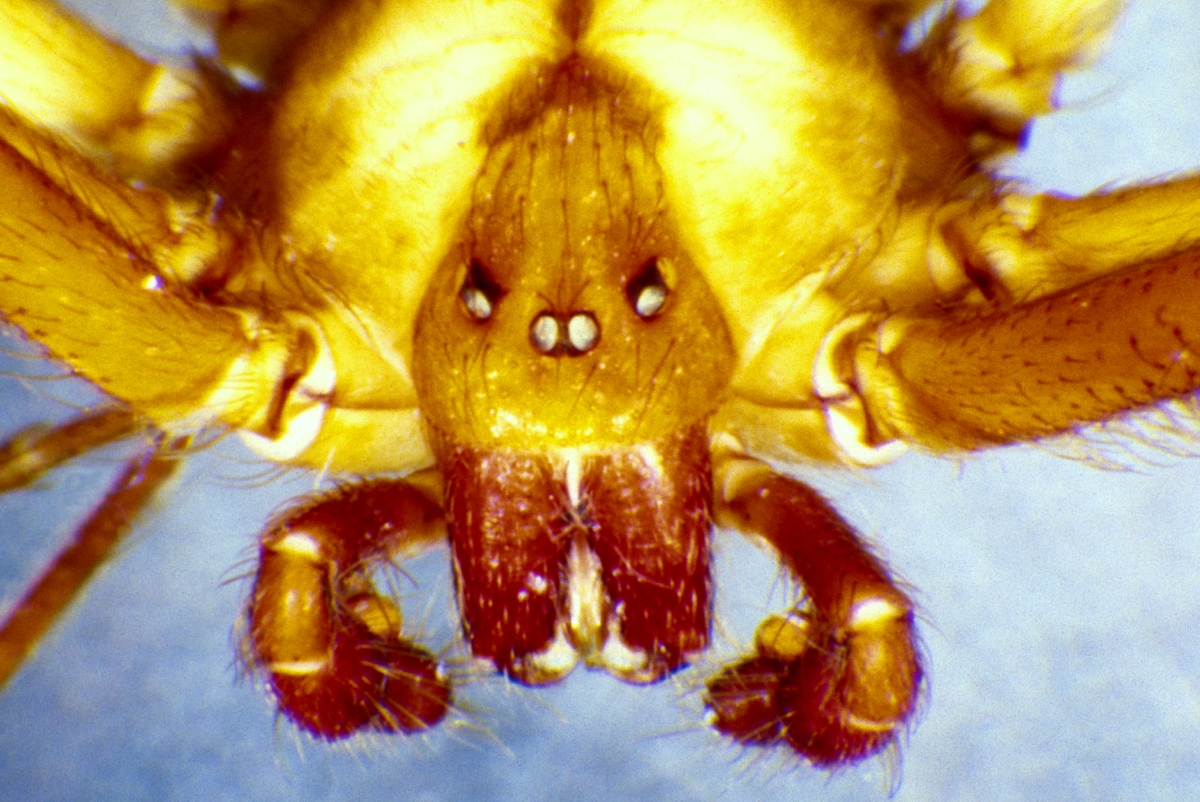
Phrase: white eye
{"type": "Point", "coordinates": [583, 332]}
{"type": "Point", "coordinates": [476, 302]}
{"type": "Point", "coordinates": [480, 292]}
{"type": "Point", "coordinates": [544, 333]}
{"type": "Point", "coordinates": [650, 300]}
{"type": "Point", "coordinates": [647, 291]}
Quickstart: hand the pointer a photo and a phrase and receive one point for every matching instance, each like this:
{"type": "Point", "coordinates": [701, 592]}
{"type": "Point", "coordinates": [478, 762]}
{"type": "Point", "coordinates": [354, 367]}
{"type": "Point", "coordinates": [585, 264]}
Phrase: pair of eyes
{"type": "Point", "coordinates": [646, 292]}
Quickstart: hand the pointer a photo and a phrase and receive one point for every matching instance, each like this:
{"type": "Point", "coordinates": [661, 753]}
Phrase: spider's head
{"type": "Point", "coordinates": [567, 356]}
{"type": "Point", "coordinates": [568, 315]}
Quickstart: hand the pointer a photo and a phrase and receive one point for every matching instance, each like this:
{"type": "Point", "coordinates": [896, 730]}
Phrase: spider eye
{"type": "Point", "coordinates": [479, 292]}
{"type": "Point", "coordinates": [647, 291]}
{"type": "Point", "coordinates": [544, 333]}
{"type": "Point", "coordinates": [583, 332]}
{"type": "Point", "coordinates": [578, 335]}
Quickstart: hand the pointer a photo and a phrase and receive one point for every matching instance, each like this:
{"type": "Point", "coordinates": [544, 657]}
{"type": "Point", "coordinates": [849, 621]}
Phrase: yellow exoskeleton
{"type": "Point", "coordinates": [845, 402]}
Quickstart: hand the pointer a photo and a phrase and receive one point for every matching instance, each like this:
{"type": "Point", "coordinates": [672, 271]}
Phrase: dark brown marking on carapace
{"type": "Point", "coordinates": [573, 16]}
{"type": "Point", "coordinates": [568, 214]}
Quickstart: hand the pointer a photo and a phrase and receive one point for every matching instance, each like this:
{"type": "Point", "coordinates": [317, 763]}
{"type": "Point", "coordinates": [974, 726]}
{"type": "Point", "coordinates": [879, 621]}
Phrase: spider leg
{"type": "Point", "coordinates": [837, 680]}
{"type": "Point", "coordinates": [29, 453]}
{"type": "Point", "coordinates": [999, 68]}
{"type": "Point", "coordinates": [91, 268]}
{"type": "Point", "coordinates": [91, 546]}
{"type": "Point", "coordinates": [329, 643]}
{"type": "Point", "coordinates": [60, 74]}
{"type": "Point", "coordinates": [1125, 334]}
{"type": "Point", "coordinates": [72, 281]}
{"type": "Point", "coordinates": [255, 34]}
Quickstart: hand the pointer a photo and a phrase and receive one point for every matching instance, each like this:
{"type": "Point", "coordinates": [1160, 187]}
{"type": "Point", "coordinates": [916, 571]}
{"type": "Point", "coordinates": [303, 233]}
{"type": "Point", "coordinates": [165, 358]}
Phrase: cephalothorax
{"type": "Point", "coordinates": [554, 281]}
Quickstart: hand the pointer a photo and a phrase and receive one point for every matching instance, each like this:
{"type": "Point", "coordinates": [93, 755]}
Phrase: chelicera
{"type": "Point", "coordinates": [579, 375]}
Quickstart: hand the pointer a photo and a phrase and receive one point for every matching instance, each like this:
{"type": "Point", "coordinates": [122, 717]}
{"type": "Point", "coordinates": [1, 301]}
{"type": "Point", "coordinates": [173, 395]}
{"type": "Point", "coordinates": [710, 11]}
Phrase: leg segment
{"type": "Point", "coordinates": [94, 299]}
{"type": "Point", "coordinates": [90, 268]}
{"type": "Point", "coordinates": [60, 74]}
{"type": "Point", "coordinates": [837, 680]}
{"type": "Point", "coordinates": [329, 643]}
{"type": "Point", "coordinates": [93, 543]}
{"type": "Point", "coordinates": [255, 34]}
{"type": "Point", "coordinates": [1039, 368]}
{"type": "Point", "coordinates": [1001, 67]}
{"type": "Point", "coordinates": [31, 452]}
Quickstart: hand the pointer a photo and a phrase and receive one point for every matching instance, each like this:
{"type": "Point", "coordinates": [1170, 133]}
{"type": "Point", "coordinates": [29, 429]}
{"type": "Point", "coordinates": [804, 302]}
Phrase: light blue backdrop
{"type": "Point", "coordinates": [1060, 603]}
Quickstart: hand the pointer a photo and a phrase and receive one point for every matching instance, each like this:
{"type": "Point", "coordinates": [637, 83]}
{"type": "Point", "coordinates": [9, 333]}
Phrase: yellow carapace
{"type": "Point", "coordinates": [564, 284]}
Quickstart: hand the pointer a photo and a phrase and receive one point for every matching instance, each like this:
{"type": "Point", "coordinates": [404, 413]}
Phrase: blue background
{"type": "Point", "coordinates": [1060, 603]}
